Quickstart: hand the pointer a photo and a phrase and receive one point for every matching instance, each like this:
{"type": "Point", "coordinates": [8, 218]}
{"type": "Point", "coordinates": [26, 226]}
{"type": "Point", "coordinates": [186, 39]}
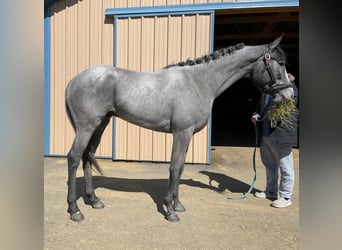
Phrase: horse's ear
{"type": "Point", "coordinates": [276, 42]}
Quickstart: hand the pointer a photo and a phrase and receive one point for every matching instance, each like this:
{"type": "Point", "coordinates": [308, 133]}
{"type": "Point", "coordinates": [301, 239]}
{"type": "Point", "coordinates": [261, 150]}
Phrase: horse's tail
{"type": "Point", "coordinates": [92, 158]}
{"type": "Point", "coordinates": [67, 108]}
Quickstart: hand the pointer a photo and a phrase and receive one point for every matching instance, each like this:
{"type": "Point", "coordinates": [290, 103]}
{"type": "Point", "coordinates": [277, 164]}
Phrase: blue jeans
{"type": "Point", "coordinates": [275, 158]}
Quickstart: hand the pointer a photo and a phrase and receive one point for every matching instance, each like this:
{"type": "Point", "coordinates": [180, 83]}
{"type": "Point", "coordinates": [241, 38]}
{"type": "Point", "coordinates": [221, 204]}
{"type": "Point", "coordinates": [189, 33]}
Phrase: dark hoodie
{"type": "Point", "coordinates": [281, 135]}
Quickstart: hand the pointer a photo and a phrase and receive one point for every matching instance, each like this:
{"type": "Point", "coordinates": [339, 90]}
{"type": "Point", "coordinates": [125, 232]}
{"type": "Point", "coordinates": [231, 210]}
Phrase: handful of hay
{"type": "Point", "coordinates": [284, 112]}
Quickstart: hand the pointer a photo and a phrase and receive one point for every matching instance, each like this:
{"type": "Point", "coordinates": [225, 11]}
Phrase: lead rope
{"type": "Point", "coordinates": [243, 196]}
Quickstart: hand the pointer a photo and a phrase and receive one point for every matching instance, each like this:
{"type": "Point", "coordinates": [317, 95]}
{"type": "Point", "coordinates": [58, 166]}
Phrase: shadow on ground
{"type": "Point", "coordinates": [227, 183]}
{"type": "Point", "coordinates": [156, 188]}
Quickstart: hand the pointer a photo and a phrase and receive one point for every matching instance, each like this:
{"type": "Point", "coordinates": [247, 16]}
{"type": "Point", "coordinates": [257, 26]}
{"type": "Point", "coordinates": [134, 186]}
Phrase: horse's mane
{"type": "Point", "coordinates": [211, 57]}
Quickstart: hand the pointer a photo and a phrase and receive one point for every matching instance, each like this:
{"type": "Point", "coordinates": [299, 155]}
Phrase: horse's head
{"type": "Point", "coordinates": [269, 73]}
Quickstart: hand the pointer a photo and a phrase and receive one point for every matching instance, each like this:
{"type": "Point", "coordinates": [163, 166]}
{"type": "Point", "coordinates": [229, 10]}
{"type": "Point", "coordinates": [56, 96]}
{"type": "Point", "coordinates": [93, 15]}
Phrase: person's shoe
{"type": "Point", "coordinates": [266, 195]}
{"type": "Point", "coordinates": [281, 203]}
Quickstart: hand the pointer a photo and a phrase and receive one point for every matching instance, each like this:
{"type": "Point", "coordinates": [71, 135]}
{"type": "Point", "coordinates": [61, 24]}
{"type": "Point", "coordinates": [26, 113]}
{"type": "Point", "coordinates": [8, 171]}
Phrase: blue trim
{"type": "Point", "coordinates": [199, 7]}
{"type": "Point", "coordinates": [212, 36]}
{"type": "Point", "coordinates": [159, 14]}
{"type": "Point", "coordinates": [63, 155]}
{"type": "Point", "coordinates": [47, 51]}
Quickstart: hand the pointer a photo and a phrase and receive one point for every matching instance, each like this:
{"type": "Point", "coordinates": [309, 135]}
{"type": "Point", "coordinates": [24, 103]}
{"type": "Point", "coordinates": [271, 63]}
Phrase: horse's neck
{"type": "Point", "coordinates": [222, 73]}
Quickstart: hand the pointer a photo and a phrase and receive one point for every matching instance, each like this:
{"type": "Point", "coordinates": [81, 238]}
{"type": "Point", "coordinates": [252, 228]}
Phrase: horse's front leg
{"type": "Point", "coordinates": [177, 205]}
{"type": "Point", "coordinates": [180, 145]}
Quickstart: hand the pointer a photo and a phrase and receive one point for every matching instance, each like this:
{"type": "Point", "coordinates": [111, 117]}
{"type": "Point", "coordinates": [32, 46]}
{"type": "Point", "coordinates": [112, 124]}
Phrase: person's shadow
{"type": "Point", "coordinates": [156, 188]}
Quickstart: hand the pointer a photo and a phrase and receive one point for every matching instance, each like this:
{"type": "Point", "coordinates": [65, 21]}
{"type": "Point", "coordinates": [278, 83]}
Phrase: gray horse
{"type": "Point", "coordinates": [177, 99]}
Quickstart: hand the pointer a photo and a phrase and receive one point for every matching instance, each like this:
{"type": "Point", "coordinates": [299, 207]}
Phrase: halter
{"type": "Point", "coordinates": [272, 87]}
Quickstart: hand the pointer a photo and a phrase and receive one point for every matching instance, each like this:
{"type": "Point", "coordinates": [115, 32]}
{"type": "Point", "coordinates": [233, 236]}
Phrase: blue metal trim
{"type": "Point", "coordinates": [212, 36]}
{"type": "Point", "coordinates": [159, 14]}
{"type": "Point", "coordinates": [201, 7]}
{"type": "Point", "coordinates": [47, 51]}
{"type": "Point", "coordinates": [63, 155]}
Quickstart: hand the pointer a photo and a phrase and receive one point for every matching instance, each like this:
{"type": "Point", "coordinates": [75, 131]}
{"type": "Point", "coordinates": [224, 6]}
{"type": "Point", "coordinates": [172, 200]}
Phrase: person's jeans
{"type": "Point", "coordinates": [275, 158]}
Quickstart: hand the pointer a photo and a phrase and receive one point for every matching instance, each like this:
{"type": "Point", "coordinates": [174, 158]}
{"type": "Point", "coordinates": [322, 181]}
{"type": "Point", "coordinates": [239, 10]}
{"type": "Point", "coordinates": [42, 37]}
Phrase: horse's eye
{"type": "Point", "coordinates": [281, 63]}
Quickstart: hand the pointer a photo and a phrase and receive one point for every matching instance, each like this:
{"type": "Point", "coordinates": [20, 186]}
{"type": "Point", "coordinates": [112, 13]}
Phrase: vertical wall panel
{"type": "Point", "coordinates": [173, 2]}
{"type": "Point", "coordinates": [120, 3]}
{"type": "Point", "coordinates": [160, 2]}
{"type": "Point", "coordinates": [79, 39]}
{"type": "Point", "coordinates": [70, 58]}
{"type": "Point", "coordinates": [146, 2]}
{"type": "Point", "coordinates": [83, 35]}
{"type": "Point", "coordinates": [58, 83]}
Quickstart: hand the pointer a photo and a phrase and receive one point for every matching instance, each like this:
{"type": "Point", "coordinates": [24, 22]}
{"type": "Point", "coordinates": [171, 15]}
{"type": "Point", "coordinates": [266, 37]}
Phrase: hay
{"type": "Point", "coordinates": [284, 112]}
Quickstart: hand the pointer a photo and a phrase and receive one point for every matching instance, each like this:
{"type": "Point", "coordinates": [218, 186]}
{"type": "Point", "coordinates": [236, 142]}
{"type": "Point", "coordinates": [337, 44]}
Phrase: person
{"type": "Point", "coordinates": [276, 152]}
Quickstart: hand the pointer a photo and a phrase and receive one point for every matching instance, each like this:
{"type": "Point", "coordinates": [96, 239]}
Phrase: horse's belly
{"type": "Point", "coordinates": [150, 120]}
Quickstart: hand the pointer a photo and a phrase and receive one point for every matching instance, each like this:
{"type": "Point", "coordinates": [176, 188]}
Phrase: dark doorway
{"type": "Point", "coordinates": [231, 125]}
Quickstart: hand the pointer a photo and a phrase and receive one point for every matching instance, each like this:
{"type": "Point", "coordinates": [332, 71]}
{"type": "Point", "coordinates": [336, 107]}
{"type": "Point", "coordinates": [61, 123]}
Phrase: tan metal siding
{"type": "Point", "coordinates": [81, 36]}
{"type": "Point", "coordinates": [79, 39]}
{"type": "Point", "coordinates": [148, 44]}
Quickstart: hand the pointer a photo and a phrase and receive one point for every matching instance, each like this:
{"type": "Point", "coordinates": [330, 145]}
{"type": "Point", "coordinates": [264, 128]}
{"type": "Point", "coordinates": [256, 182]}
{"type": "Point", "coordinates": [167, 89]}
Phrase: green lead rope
{"type": "Point", "coordinates": [243, 196]}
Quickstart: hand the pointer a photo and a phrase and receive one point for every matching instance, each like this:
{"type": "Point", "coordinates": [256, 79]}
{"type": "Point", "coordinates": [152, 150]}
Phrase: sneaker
{"type": "Point", "coordinates": [281, 202]}
{"type": "Point", "coordinates": [268, 195]}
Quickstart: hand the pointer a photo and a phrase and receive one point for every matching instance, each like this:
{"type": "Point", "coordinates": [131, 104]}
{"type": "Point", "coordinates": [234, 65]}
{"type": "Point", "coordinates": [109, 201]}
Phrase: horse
{"type": "Point", "coordinates": [176, 99]}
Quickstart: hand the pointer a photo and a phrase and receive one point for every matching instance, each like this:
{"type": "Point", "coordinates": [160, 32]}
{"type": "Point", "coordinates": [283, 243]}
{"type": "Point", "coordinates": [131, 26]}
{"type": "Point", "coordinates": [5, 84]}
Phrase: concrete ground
{"type": "Point", "coordinates": [133, 217]}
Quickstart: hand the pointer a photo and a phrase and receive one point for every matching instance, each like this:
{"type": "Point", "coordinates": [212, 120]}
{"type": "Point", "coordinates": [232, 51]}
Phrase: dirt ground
{"type": "Point", "coordinates": [133, 217]}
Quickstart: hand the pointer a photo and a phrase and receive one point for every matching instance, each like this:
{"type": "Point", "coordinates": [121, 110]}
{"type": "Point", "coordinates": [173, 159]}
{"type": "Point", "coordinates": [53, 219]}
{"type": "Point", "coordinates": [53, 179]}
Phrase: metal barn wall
{"type": "Point", "coordinates": [148, 44]}
{"type": "Point", "coordinates": [79, 39]}
{"type": "Point", "coordinates": [81, 36]}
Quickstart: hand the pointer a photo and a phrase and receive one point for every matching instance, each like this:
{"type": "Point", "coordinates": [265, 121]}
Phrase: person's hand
{"type": "Point", "coordinates": [255, 117]}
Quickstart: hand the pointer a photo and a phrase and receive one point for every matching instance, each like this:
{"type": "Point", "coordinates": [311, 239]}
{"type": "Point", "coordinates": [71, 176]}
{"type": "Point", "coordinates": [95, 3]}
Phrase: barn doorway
{"type": "Point", "coordinates": [232, 110]}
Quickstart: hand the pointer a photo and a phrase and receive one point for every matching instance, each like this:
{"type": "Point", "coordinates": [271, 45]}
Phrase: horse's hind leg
{"type": "Point", "coordinates": [90, 197]}
{"type": "Point", "coordinates": [74, 157]}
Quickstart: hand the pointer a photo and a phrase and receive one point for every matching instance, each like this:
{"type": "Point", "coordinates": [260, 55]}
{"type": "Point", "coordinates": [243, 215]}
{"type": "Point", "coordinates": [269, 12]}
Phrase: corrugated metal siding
{"type": "Point", "coordinates": [81, 36]}
{"type": "Point", "coordinates": [148, 44]}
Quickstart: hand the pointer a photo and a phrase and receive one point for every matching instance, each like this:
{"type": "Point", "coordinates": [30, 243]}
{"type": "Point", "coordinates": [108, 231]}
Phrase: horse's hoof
{"type": "Point", "coordinates": [98, 205]}
{"type": "Point", "coordinates": [179, 207]}
{"type": "Point", "coordinates": [77, 217]}
{"type": "Point", "coordinates": [172, 217]}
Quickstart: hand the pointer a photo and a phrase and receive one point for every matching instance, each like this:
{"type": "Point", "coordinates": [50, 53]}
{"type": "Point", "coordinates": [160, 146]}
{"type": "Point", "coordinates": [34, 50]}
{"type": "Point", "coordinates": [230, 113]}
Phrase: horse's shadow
{"type": "Point", "coordinates": [227, 183]}
{"type": "Point", "coordinates": [156, 188]}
